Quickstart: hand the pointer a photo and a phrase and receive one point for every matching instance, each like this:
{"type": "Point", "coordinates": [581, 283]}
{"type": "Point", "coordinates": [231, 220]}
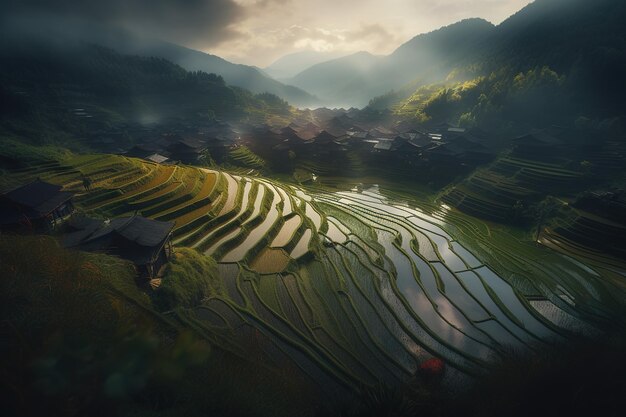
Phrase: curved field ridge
{"type": "Point", "coordinates": [352, 287]}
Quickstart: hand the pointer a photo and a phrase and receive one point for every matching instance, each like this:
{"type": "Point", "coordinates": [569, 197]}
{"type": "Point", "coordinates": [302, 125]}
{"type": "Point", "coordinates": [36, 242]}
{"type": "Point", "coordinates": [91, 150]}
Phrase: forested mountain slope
{"type": "Point", "coordinates": [353, 80]}
{"type": "Point", "coordinates": [126, 42]}
{"type": "Point", "coordinates": [47, 85]}
{"type": "Point", "coordinates": [553, 62]}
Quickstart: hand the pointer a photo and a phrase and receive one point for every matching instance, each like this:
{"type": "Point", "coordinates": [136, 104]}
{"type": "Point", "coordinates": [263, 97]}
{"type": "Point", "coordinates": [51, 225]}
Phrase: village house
{"type": "Point", "coordinates": [144, 242]}
{"type": "Point", "coordinates": [329, 143]}
{"type": "Point", "coordinates": [187, 150]}
{"type": "Point", "coordinates": [219, 146]}
{"type": "Point", "coordinates": [144, 150]}
{"type": "Point", "coordinates": [537, 144]}
{"type": "Point", "coordinates": [382, 132]}
{"type": "Point", "coordinates": [157, 158]}
{"type": "Point", "coordinates": [384, 145]}
{"type": "Point", "coordinates": [412, 147]}
{"type": "Point", "coordinates": [459, 150]}
{"type": "Point", "coordinates": [38, 207]}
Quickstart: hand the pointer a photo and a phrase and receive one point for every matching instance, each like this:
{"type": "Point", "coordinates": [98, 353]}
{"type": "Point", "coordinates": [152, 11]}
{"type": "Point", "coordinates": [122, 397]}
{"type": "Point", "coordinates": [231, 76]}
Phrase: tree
{"type": "Point", "coordinates": [544, 211]}
{"type": "Point", "coordinates": [518, 212]}
{"type": "Point", "coordinates": [585, 167]}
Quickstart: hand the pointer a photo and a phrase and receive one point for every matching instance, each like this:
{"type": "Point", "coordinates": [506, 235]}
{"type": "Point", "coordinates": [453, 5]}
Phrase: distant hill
{"type": "Point", "coordinates": [342, 82]}
{"type": "Point", "coordinates": [582, 40]}
{"type": "Point", "coordinates": [45, 86]}
{"type": "Point", "coordinates": [290, 65]}
{"type": "Point", "coordinates": [125, 42]}
{"type": "Point", "coordinates": [243, 76]}
{"type": "Point", "coordinates": [555, 61]}
{"type": "Point", "coordinates": [355, 79]}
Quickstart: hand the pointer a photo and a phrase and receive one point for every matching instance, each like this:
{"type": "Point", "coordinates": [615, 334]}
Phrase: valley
{"type": "Point", "coordinates": [352, 285]}
{"type": "Point", "coordinates": [321, 209]}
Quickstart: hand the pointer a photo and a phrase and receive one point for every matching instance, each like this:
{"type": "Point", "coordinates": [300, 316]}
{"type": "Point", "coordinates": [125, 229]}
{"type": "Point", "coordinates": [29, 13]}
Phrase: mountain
{"type": "Point", "coordinates": [79, 88]}
{"type": "Point", "coordinates": [585, 41]}
{"type": "Point", "coordinates": [554, 62]}
{"type": "Point", "coordinates": [355, 79]}
{"type": "Point", "coordinates": [341, 82]}
{"type": "Point", "coordinates": [580, 39]}
{"type": "Point", "coordinates": [290, 65]}
{"type": "Point", "coordinates": [125, 42]}
{"type": "Point", "coordinates": [243, 76]}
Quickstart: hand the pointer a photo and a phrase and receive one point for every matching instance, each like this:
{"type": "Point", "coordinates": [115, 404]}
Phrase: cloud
{"type": "Point", "coordinates": [374, 34]}
{"type": "Point", "coordinates": [273, 43]}
{"type": "Point", "coordinates": [261, 4]}
{"type": "Point", "coordinates": [190, 22]}
{"type": "Point", "coordinates": [260, 31]}
{"type": "Point", "coordinates": [455, 9]}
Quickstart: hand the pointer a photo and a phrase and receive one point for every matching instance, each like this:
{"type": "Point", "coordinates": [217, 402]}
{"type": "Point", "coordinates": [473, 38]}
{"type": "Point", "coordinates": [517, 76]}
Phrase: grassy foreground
{"type": "Point", "coordinates": [79, 338]}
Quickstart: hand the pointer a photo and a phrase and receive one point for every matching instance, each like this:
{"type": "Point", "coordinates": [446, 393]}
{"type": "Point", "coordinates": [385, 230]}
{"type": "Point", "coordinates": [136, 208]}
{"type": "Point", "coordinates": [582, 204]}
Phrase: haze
{"type": "Point", "coordinates": [257, 32]}
{"type": "Point", "coordinates": [273, 28]}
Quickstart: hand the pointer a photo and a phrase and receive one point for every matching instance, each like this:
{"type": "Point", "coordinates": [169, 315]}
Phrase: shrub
{"type": "Point", "coordinates": [189, 278]}
{"type": "Point", "coordinates": [78, 337]}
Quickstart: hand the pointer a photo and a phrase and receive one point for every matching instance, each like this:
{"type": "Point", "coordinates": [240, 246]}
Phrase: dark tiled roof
{"type": "Point", "coordinates": [420, 141]}
{"type": "Point", "coordinates": [34, 193]}
{"type": "Point", "coordinates": [359, 135]}
{"type": "Point", "coordinates": [143, 148]}
{"type": "Point", "coordinates": [191, 143]}
{"type": "Point", "coordinates": [459, 146]}
{"type": "Point", "coordinates": [134, 238]}
{"type": "Point", "coordinates": [158, 158]}
{"type": "Point", "coordinates": [538, 137]}
{"type": "Point", "coordinates": [137, 229]}
{"type": "Point", "coordinates": [336, 132]}
{"type": "Point", "coordinates": [39, 197]}
{"type": "Point", "coordinates": [384, 145]}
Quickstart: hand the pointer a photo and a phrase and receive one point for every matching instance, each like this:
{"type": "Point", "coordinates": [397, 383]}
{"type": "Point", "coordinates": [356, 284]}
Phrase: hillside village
{"type": "Point", "coordinates": [323, 141]}
{"type": "Point", "coordinates": [319, 143]}
{"type": "Point", "coordinates": [343, 143]}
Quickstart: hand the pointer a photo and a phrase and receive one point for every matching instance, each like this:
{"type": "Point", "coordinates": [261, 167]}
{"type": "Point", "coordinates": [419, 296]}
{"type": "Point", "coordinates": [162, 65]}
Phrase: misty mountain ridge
{"type": "Point", "coordinates": [81, 88]}
{"type": "Point", "coordinates": [126, 42]}
{"type": "Point", "coordinates": [344, 82]}
{"type": "Point", "coordinates": [554, 62]}
{"type": "Point", "coordinates": [292, 64]}
{"type": "Point", "coordinates": [537, 35]}
{"type": "Point", "coordinates": [355, 79]}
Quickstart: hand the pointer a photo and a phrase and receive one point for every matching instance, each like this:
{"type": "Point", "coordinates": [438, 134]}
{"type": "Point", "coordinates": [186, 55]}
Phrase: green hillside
{"type": "Point", "coordinates": [83, 87]}
{"type": "Point", "coordinates": [554, 62]}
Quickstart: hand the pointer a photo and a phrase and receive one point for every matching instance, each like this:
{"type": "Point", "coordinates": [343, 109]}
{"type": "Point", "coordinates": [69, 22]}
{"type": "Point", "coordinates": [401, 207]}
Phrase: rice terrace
{"type": "Point", "coordinates": [432, 230]}
{"type": "Point", "coordinates": [352, 286]}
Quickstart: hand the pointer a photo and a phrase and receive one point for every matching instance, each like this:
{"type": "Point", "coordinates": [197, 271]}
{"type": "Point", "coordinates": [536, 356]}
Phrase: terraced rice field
{"type": "Point", "coordinates": [244, 157]}
{"type": "Point", "coordinates": [596, 239]}
{"type": "Point", "coordinates": [491, 193]}
{"type": "Point", "coordinates": [355, 287]}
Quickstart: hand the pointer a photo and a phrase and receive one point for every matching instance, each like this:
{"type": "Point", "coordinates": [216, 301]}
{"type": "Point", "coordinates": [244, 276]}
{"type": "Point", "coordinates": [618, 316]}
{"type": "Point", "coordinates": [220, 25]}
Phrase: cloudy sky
{"type": "Point", "coordinates": [269, 29]}
{"type": "Point", "coordinates": [257, 32]}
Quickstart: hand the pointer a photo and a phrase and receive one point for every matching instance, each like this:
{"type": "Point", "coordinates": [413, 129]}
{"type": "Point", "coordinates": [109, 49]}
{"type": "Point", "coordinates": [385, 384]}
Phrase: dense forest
{"type": "Point", "coordinates": [42, 82]}
{"type": "Point", "coordinates": [554, 62]}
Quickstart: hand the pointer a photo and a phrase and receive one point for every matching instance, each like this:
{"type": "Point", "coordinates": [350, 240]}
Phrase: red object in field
{"type": "Point", "coordinates": [431, 367]}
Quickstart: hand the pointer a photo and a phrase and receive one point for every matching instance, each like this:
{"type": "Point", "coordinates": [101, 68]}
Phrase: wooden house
{"type": "Point", "coordinates": [413, 146]}
{"type": "Point", "coordinates": [143, 150]}
{"type": "Point", "coordinates": [187, 150]}
{"type": "Point", "coordinates": [144, 242]}
{"type": "Point", "coordinates": [460, 150]}
{"type": "Point", "coordinates": [537, 145]}
{"type": "Point", "coordinates": [38, 206]}
{"type": "Point", "coordinates": [157, 158]}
